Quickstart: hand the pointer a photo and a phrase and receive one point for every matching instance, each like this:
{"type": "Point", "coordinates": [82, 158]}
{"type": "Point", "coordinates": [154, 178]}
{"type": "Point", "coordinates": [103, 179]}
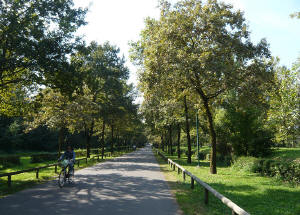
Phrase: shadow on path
{"type": "Point", "coordinates": [131, 184]}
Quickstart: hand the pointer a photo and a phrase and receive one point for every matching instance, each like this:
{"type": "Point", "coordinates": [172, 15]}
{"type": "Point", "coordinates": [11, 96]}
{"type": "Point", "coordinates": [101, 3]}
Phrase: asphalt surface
{"type": "Point", "coordinates": [131, 184]}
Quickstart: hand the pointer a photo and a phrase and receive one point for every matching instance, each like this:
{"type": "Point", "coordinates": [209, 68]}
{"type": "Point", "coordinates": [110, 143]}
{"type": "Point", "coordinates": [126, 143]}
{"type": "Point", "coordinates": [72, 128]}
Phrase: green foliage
{"type": "Point", "coordinates": [284, 170]}
{"type": "Point", "coordinates": [281, 169]}
{"type": "Point", "coordinates": [284, 111]}
{"type": "Point", "coordinates": [35, 37]}
{"type": "Point", "coordinates": [242, 130]}
{"type": "Point", "coordinates": [198, 48]}
{"type": "Point", "coordinates": [286, 153]}
{"type": "Point", "coordinates": [246, 164]}
{"type": "Point", "coordinates": [254, 193]}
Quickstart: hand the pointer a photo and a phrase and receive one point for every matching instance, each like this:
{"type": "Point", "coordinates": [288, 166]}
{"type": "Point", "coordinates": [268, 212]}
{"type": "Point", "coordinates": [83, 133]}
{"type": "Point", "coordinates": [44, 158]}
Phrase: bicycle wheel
{"type": "Point", "coordinates": [71, 177]}
{"type": "Point", "coordinates": [62, 178]}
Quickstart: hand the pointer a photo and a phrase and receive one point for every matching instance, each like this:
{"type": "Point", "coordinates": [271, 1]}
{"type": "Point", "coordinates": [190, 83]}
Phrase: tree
{"type": "Point", "coordinates": [241, 127]}
{"type": "Point", "coordinates": [52, 109]}
{"type": "Point", "coordinates": [284, 111]}
{"type": "Point", "coordinates": [36, 38]}
{"type": "Point", "coordinates": [207, 47]}
{"type": "Point", "coordinates": [103, 75]}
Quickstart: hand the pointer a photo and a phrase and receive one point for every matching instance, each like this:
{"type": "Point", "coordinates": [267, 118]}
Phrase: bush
{"type": "Point", "coordinates": [281, 169]}
{"type": "Point", "coordinates": [37, 158]}
{"type": "Point", "coordinates": [245, 164]}
{"type": "Point", "coordinates": [7, 161]}
{"type": "Point", "coordinates": [284, 170]}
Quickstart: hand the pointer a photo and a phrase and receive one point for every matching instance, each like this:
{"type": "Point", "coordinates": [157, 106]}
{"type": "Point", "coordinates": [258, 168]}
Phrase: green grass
{"type": "Point", "coordinates": [286, 153]}
{"type": "Point", "coordinates": [255, 194]}
{"type": "Point", "coordinates": [26, 180]}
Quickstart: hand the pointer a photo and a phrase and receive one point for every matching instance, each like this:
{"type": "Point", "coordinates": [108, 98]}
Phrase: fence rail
{"type": "Point", "coordinates": [37, 169]}
{"type": "Point", "coordinates": [236, 210]}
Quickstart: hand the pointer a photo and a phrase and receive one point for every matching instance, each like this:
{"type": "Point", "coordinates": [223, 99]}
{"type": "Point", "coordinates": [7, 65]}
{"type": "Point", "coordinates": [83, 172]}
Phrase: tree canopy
{"type": "Point", "coordinates": [203, 49]}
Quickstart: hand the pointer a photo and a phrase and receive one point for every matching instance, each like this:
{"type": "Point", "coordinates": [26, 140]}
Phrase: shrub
{"type": "Point", "coordinates": [284, 170]}
{"type": "Point", "coordinates": [37, 158]}
{"type": "Point", "coordinates": [245, 164]}
{"type": "Point", "coordinates": [280, 169]}
{"type": "Point", "coordinates": [7, 161]}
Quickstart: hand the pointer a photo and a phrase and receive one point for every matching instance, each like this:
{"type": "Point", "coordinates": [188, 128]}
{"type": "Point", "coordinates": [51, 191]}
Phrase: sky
{"type": "Point", "coordinates": [121, 21]}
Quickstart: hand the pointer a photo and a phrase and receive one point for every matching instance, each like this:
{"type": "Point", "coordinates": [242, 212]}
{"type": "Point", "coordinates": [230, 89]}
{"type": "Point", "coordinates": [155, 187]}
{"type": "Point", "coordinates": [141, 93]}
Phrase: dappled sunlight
{"type": "Point", "coordinates": [126, 184]}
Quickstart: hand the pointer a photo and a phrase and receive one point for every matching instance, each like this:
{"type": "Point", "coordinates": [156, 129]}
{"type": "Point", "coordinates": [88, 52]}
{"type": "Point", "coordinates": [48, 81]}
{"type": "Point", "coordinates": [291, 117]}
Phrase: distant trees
{"type": "Point", "coordinates": [102, 98]}
{"type": "Point", "coordinates": [202, 49]}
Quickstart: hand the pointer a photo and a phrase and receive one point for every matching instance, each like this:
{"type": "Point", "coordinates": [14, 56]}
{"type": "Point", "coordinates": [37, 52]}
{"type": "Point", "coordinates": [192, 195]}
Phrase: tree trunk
{"type": "Point", "coordinates": [89, 133]}
{"type": "Point", "coordinates": [102, 140]}
{"type": "Point", "coordinates": [112, 139]}
{"type": "Point", "coordinates": [178, 140]}
{"type": "Point", "coordinates": [171, 141]}
{"type": "Point", "coordinates": [162, 141]}
{"type": "Point", "coordinates": [213, 160]}
{"type": "Point", "coordinates": [187, 124]}
{"type": "Point", "coordinates": [61, 139]}
{"type": "Point", "coordinates": [166, 142]}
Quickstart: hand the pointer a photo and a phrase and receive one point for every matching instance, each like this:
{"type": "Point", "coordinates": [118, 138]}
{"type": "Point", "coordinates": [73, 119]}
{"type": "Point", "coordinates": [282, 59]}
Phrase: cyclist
{"type": "Point", "coordinates": [70, 156]}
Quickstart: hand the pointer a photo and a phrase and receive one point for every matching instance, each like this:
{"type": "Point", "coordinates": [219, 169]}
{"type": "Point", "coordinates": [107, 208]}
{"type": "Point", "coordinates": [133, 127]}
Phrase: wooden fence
{"type": "Point", "coordinates": [37, 169]}
{"type": "Point", "coordinates": [236, 210]}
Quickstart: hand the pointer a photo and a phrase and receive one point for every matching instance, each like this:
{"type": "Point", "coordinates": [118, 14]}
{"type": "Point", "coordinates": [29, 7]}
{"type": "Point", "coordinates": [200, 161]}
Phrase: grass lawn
{"type": "Point", "coordinates": [256, 194]}
{"type": "Point", "coordinates": [286, 153]}
{"type": "Point", "coordinates": [26, 180]}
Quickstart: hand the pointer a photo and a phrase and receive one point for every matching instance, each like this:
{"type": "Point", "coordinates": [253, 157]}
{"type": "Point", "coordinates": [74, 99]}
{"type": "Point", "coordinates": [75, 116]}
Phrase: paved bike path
{"type": "Point", "coordinates": [131, 184]}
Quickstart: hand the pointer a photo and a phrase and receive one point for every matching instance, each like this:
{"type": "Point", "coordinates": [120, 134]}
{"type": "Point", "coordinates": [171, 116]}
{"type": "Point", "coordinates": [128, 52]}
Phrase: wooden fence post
{"type": "Point", "coordinates": [78, 163]}
{"type": "Point", "coordinates": [173, 167]}
{"type": "Point", "coordinates": [37, 173]}
{"type": "Point", "coordinates": [55, 168]}
{"type": "Point", "coordinates": [178, 170]}
{"type": "Point", "coordinates": [205, 196]}
{"type": "Point", "coordinates": [9, 181]}
{"type": "Point", "coordinates": [86, 160]}
{"type": "Point", "coordinates": [192, 183]}
{"type": "Point", "coordinates": [183, 175]}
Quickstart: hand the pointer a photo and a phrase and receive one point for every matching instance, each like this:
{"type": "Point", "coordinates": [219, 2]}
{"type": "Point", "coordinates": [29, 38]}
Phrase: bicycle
{"type": "Point", "coordinates": [65, 174]}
